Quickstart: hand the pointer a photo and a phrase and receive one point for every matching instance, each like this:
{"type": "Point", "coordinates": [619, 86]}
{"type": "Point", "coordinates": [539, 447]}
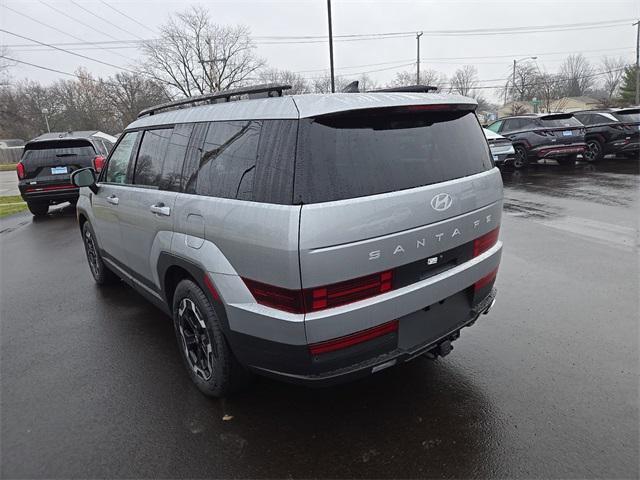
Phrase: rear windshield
{"type": "Point", "coordinates": [561, 122]}
{"type": "Point", "coordinates": [628, 117]}
{"type": "Point", "coordinates": [367, 153]}
{"type": "Point", "coordinates": [59, 148]}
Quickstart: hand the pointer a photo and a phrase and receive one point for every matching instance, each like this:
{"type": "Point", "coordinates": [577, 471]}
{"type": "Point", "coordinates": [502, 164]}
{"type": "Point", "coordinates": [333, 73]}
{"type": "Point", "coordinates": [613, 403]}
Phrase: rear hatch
{"type": "Point", "coordinates": [564, 127]}
{"type": "Point", "coordinates": [630, 117]}
{"type": "Point", "coordinates": [51, 162]}
{"type": "Point", "coordinates": [385, 189]}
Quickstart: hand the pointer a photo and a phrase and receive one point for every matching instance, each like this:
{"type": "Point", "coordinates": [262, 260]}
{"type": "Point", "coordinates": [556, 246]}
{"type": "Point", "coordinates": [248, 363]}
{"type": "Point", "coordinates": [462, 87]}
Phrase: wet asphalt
{"type": "Point", "coordinates": [546, 385]}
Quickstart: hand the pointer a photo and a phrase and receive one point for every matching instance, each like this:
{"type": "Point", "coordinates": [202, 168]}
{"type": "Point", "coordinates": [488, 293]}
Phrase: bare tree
{"type": "Point", "coordinates": [526, 79]}
{"type": "Point", "coordinates": [322, 84]}
{"type": "Point", "coordinates": [195, 56]}
{"type": "Point", "coordinates": [613, 70]}
{"type": "Point", "coordinates": [464, 80]}
{"type": "Point", "coordinates": [5, 65]}
{"type": "Point", "coordinates": [549, 88]}
{"type": "Point", "coordinates": [129, 93]}
{"type": "Point", "coordinates": [427, 77]}
{"type": "Point", "coordinates": [298, 83]}
{"type": "Point", "coordinates": [577, 76]}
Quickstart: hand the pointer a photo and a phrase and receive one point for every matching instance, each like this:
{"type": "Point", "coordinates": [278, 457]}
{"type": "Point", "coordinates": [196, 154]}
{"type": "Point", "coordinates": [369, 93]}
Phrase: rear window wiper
{"type": "Point", "coordinates": [66, 154]}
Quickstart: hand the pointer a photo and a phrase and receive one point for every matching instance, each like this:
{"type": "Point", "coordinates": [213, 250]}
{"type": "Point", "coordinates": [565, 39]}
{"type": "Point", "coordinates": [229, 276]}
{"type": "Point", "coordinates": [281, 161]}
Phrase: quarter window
{"type": "Point", "coordinates": [228, 161]}
{"type": "Point", "coordinates": [119, 159]}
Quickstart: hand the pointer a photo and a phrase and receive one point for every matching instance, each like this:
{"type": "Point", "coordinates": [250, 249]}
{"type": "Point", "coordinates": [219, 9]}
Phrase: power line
{"type": "Point", "coordinates": [84, 24]}
{"type": "Point", "coordinates": [69, 52]}
{"type": "Point", "coordinates": [41, 23]}
{"type": "Point", "coordinates": [126, 16]}
{"type": "Point", "coordinates": [104, 20]}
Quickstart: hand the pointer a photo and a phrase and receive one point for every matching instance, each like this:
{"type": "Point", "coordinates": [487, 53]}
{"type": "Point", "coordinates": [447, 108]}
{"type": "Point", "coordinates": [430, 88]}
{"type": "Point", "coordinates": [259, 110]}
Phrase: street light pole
{"type": "Point", "coordinates": [333, 81]}
{"type": "Point", "coordinates": [45, 112]}
{"type": "Point", "coordinates": [418, 35]}
{"type": "Point", "coordinates": [513, 81]}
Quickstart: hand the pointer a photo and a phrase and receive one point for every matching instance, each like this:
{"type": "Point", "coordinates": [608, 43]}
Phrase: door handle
{"type": "Point", "coordinates": [113, 200]}
{"type": "Point", "coordinates": [160, 209]}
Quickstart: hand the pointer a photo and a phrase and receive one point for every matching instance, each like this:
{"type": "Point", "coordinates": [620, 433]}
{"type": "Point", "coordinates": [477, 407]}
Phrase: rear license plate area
{"type": "Point", "coordinates": [59, 170]}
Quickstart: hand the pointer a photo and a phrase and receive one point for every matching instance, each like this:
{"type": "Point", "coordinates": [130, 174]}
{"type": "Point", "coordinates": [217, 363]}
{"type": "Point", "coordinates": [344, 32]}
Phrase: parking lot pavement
{"type": "Point", "coordinates": [546, 385]}
{"type": "Point", "coordinates": [8, 184]}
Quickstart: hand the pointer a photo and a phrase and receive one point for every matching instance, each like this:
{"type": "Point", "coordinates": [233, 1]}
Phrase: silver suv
{"type": "Point", "coordinates": [311, 238]}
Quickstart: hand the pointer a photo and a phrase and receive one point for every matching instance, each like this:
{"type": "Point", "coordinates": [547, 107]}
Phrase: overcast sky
{"type": "Point", "coordinates": [491, 54]}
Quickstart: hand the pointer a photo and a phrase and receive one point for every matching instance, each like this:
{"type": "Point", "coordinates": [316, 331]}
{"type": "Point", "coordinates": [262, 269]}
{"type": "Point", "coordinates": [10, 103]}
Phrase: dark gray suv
{"type": "Point", "coordinates": [310, 238]}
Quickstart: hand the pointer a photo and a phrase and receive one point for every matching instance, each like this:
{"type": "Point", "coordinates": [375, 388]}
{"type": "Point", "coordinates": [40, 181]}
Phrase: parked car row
{"type": "Point", "coordinates": [564, 136]}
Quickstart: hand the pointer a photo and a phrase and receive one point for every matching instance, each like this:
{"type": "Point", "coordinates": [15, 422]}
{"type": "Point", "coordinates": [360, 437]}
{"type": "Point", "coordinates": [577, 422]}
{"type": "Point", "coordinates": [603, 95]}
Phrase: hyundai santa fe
{"type": "Point", "coordinates": [310, 238]}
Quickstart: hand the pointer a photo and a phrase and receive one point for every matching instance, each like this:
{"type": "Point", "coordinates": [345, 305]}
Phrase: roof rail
{"type": "Point", "coordinates": [408, 89]}
{"type": "Point", "coordinates": [256, 91]}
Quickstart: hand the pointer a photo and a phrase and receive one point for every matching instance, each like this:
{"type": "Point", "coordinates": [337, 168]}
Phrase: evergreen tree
{"type": "Point", "coordinates": [628, 88]}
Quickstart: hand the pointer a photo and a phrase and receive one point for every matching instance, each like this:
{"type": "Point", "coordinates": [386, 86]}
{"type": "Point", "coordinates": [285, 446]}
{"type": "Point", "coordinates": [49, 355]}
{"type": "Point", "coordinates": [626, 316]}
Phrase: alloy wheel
{"type": "Point", "coordinates": [520, 159]}
{"type": "Point", "coordinates": [92, 253]}
{"type": "Point", "coordinates": [593, 151]}
{"type": "Point", "coordinates": [198, 348]}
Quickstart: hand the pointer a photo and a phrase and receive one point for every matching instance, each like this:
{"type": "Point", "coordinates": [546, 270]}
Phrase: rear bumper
{"type": "Point", "coordinates": [551, 151]}
{"type": "Point", "coordinates": [397, 351]}
{"type": "Point", "coordinates": [49, 193]}
{"type": "Point", "coordinates": [428, 312]}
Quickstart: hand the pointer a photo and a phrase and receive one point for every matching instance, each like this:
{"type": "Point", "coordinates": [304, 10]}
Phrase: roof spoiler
{"type": "Point", "coordinates": [553, 116]}
{"type": "Point", "coordinates": [257, 91]}
{"type": "Point", "coordinates": [407, 89]}
{"type": "Point", "coordinates": [628, 110]}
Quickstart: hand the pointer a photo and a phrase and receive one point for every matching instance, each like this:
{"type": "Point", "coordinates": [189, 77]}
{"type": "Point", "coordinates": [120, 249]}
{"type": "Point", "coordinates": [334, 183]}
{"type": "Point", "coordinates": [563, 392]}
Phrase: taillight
{"type": "Point", "coordinates": [276, 297]}
{"type": "Point", "coordinates": [354, 338]}
{"type": "Point", "coordinates": [348, 292]}
{"type": "Point", "coordinates": [20, 170]}
{"type": "Point", "coordinates": [320, 298]}
{"type": "Point", "coordinates": [98, 162]}
{"type": "Point", "coordinates": [485, 242]}
{"type": "Point", "coordinates": [486, 280]}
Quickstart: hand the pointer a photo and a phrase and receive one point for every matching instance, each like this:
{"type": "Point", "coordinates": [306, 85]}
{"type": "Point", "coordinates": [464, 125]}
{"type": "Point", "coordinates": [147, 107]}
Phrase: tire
{"type": "Point", "coordinates": [38, 209]}
{"type": "Point", "coordinates": [520, 159]}
{"type": "Point", "coordinates": [204, 350]}
{"type": "Point", "coordinates": [101, 273]}
{"type": "Point", "coordinates": [594, 152]}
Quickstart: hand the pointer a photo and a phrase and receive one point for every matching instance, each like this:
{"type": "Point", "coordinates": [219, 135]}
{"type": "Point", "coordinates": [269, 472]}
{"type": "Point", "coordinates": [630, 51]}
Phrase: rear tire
{"type": "Point", "coordinates": [38, 209]}
{"type": "Point", "coordinates": [594, 152]}
{"type": "Point", "coordinates": [101, 273]}
{"type": "Point", "coordinates": [520, 159]}
{"type": "Point", "coordinates": [204, 350]}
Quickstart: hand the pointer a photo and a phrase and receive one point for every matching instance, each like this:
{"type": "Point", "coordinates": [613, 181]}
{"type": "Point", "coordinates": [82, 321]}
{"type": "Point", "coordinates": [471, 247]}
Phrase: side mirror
{"type": "Point", "coordinates": [85, 177]}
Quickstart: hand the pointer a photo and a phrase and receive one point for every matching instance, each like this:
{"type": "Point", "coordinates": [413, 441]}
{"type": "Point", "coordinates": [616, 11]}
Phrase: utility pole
{"type": "Point", "coordinates": [333, 81]}
{"type": "Point", "coordinates": [418, 35]}
{"type": "Point", "coordinates": [513, 85]}
{"type": "Point", "coordinates": [211, 62]}
{"type": "Point", "coordinates": [45, 112]}
{"type": "Point", "coordinates": [637, 25]}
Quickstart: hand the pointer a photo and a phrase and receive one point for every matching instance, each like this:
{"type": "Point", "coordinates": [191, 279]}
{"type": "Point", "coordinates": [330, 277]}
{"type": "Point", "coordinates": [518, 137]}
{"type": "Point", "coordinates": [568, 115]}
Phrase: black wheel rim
{"type": "Point", "coordinates": [92, 253]}
{"type": "Point", "coordinates": [196, 342]}
{"type": "Point", "coordinates": [593, 151]}
{"type": "Point", "coordinates": [520, 158]}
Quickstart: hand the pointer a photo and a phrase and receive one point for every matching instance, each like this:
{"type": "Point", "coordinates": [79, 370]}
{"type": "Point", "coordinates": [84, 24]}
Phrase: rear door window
{"type": "Point", "coordinates": [228, 161]}
{"type": "Point", "coordinates": [119, 160]}
{"type": "Point", "coordinates": [151, 157]}
{"type": "Point", "coordinates": [371, 152]}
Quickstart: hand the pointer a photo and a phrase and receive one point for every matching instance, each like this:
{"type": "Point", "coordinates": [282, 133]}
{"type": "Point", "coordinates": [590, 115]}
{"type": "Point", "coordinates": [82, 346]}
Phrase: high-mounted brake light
{"type": "Point", "coordinates": [354, 338]}
{"type": "Point", "coordinates": [320, 298]}
{"type": "Point", "coordinates": [485, 242]}
{"type": "Point", "coordinates": [20, 170]}
{"type": "Point", "coordinates": [98, 162]}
